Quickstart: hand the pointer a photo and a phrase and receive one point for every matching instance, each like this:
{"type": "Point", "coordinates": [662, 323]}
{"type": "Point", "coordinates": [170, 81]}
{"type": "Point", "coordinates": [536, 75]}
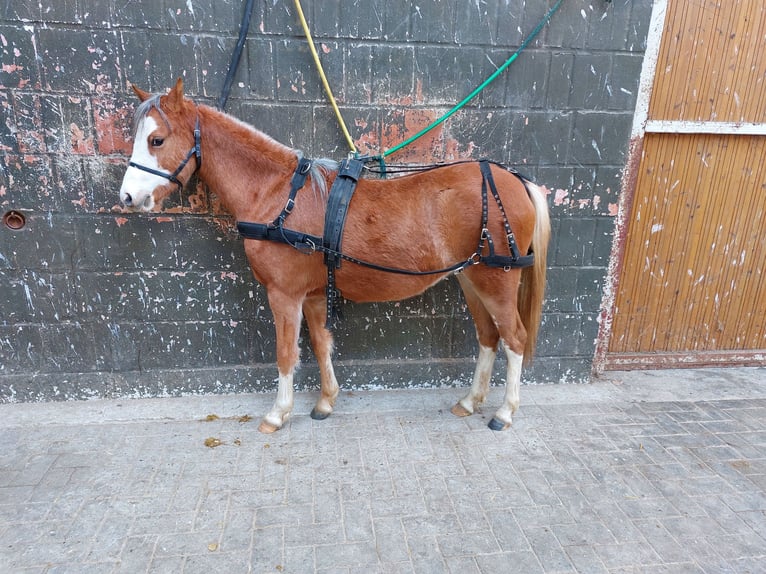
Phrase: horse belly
{"type": "Point", "coordinates": [414, 234]}
{"type": "Point", "coordinates": [369, 286]}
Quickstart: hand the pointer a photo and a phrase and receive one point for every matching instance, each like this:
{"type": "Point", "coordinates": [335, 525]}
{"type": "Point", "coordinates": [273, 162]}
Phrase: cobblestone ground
{"type": "Point", "coordinates": [643, 472]}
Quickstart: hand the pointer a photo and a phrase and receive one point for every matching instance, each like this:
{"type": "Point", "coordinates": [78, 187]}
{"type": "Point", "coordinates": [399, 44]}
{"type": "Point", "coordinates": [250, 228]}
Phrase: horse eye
{"type": "Point", "coordinates": [157, 142]}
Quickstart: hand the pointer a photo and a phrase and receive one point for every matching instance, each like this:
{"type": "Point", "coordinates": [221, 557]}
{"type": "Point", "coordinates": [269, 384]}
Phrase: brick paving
{"type": "Point", "coordinates": [641, 472]}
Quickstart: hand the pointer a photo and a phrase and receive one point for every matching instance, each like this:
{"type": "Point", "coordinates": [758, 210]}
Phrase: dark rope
{"type": "Point", "coordinates": [236, 54]}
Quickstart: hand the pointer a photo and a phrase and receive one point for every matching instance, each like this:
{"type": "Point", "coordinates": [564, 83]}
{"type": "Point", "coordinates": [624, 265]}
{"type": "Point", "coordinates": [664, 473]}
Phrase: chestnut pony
{"type": "Point", "coordinates": [422, 221]}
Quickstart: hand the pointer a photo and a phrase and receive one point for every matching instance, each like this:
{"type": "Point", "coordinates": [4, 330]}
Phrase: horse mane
{"type": "Point", "coordinates": [320, 169]}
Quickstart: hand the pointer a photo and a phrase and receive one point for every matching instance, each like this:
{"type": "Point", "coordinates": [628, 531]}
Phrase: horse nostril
{"type": "Point", "coordinates": [127, 200]}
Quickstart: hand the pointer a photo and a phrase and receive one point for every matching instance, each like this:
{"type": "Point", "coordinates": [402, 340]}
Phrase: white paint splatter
{"type": "Point", "coordinates": [594, 145]}
{"type": "Point", "coordinates": [28, 295]}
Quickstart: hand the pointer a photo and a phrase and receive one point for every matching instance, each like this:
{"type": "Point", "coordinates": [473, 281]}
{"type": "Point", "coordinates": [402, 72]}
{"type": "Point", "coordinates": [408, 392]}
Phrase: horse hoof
{"type": "Point", "coordinates": [460, 411]}
{"type": "Point", "coordinates": [267, 428]}
{"type": "Point", "coordinates": [498, 425]}
{"type": "Point", "coordinates": [318, 415]}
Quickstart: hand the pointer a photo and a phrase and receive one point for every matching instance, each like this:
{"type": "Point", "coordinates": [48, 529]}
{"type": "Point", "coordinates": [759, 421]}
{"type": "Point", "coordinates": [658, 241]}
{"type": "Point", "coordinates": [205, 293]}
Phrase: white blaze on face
{"type": "Point", "coordinates": [138, 185]}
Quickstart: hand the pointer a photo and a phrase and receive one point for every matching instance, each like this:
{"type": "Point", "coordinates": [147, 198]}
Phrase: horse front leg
{"type": "Point", "coordinates": [287, 320]}
{"type": "Point", "coordinates": [315, 311]}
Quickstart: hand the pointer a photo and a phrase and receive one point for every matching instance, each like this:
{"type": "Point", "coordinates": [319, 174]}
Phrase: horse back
{"type": "Point", "coordinates": [434, 215]}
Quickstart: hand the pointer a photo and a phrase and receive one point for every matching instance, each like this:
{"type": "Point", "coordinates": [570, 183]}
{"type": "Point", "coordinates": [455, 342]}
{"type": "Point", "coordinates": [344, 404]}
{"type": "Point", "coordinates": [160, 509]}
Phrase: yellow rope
{"type": "Point", "coordinates": [322, 75]}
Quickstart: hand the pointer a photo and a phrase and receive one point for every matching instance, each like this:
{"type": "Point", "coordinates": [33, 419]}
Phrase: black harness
{"type": "Point", "coordinates": [338, 203]}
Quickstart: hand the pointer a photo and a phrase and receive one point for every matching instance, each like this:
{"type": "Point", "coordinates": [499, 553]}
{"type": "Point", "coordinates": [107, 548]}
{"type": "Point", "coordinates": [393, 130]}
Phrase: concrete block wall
{"type": "Point", "coordinates": [96, 302]}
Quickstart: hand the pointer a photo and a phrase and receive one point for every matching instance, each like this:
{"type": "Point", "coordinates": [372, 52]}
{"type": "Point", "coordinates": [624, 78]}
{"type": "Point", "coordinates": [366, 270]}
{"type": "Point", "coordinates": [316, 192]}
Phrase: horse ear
{"type": "Point", "coordinates": [141, 94]}
{"type": "Point", "coordinates": [176, 96]}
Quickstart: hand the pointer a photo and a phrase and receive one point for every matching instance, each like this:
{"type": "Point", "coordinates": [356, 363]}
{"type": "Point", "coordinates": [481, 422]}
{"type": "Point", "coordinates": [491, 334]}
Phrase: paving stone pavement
{"type": "Point", "coordinates": [660, 471]}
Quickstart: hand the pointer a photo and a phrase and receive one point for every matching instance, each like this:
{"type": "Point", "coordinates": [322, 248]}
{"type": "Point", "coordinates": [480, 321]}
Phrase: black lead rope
{"type": "Point", "coordinates": [236, 54]}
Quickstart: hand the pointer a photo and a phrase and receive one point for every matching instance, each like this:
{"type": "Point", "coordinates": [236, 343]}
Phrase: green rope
{"type": "Point", "coordinates": [483, 85]}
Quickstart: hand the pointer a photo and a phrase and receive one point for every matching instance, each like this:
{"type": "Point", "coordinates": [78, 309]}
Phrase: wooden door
{"type": "Point", "coordinates": [691, 287]}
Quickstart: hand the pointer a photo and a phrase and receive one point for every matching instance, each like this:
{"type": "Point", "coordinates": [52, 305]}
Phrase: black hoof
{"type": "Point", "coordinates": [317, 416]}
{"type": "Point", "coordinates": [497, 425]}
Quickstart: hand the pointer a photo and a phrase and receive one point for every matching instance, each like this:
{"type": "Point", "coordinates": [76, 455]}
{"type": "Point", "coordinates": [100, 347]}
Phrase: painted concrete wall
{"type": "Point", "coordinates": [97, 302]}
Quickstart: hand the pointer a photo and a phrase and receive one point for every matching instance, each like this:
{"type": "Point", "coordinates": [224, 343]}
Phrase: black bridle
{"type": "Point", "coordinates": [195, 151]}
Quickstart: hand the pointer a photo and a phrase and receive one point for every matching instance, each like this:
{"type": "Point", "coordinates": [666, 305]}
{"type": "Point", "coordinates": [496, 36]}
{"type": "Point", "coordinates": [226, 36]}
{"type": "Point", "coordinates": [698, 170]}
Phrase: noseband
{"type": "Point", "coordinates": [195, 151]}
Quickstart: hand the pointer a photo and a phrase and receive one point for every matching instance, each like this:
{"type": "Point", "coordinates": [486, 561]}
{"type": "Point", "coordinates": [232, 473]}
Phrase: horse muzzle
{"type": "Point", "coordinates": [137, 202]}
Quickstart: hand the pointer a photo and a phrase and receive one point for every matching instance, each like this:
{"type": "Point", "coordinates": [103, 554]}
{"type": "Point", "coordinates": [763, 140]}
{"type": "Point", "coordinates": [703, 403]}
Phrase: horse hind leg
{"type": "Point", "coordinates": [497, 318]}
{"type": "Point", "coordinates": [504, 415]}
{"type": "Point", "coordinates": [514, 336]}
{"type": "Point", "coordinates": [488, 336]}
{"type": "Point", "coordinates": [315, 311]}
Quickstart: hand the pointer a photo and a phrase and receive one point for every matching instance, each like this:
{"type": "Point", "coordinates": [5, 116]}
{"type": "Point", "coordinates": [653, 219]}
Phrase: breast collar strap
{"type": "Point", "coordinates": [195, 151]}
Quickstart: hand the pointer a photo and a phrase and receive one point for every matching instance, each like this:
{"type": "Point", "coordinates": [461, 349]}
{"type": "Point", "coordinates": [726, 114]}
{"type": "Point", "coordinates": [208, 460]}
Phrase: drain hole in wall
{"type": "Point", "coordinates": [14, 220]}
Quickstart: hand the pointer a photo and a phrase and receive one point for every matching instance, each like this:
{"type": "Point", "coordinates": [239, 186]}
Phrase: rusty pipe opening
{"type": "Point", "coordinates": [14, 220]}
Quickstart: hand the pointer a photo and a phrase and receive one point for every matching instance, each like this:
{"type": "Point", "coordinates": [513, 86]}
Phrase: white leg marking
{"type": "Point", "coordinates": [138, 185]}
{"type": "Point", "coordinates": [480, 385]}
{"type": "Point", "coordinates": [284, 402]}
{"type": "Point", "coordinates": [512, 384]}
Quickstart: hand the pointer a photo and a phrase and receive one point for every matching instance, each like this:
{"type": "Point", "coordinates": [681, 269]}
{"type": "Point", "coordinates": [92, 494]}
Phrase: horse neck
{"type": "Point", "coordinates": [244, 167]}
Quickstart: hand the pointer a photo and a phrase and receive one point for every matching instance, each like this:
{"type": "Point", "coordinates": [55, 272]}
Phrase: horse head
{"type": "Point", "coordinates": [165, 138]}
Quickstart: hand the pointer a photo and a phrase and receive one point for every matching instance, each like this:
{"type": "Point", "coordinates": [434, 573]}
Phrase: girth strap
{"type": "Point", "coordinates": [337, 208]}
{"type": "Point", "coordinates": [335, 219]}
